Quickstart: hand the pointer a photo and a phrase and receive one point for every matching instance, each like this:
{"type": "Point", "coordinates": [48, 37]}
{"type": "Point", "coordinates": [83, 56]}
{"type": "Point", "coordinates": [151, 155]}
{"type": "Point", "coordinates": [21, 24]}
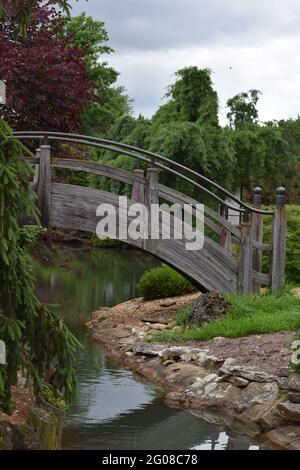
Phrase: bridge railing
{"type": "Point", "coordinates": [247, 236]}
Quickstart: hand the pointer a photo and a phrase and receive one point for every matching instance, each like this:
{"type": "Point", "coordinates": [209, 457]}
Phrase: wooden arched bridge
{"type": "Point", "coordinates": [231, 258]}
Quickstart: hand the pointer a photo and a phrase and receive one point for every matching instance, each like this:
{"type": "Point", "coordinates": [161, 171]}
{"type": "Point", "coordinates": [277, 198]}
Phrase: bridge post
{"type": "Point", "coordinates": [35, 181]}
{"type": "Point", "coordinates": [44, 184]}
{"type": "Point", "coordinates": [226, 238]}
{"type": "Point", "coordinates": [138, 189]}
{"type": "Point", "coordinates": [152, 187]}
{"type": "Point", "coordinates": [279, 241]}
{"type": "Point", "coordinates": [245, 284]}
{"type": "Point", "coordinates": [257, 235]}
{"type": "Point", "coordinates": [151, 197]}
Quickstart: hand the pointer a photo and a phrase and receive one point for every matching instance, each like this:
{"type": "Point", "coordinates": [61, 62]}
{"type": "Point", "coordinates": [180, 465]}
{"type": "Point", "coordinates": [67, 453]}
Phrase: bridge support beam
{"type": "Point", "coordinates": [279, 242]}
{"type": "Point", "coordinates": [257, 235]}
{"type": "Point", "coordinates": [138, 190]}
{"type": "Point", "coordinates": [245, 277]}
{"type": "Point", "coordinates": [151, 197]}
{"type": "Point", "coordinates": [44, 184]}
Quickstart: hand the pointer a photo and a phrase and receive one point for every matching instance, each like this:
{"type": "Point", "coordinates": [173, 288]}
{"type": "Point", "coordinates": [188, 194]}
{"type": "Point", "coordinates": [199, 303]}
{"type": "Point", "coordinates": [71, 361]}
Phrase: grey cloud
{"type": "Point", "coordinates": [166, 24]}
{"type": "Point", "coordinates": [247, 43]}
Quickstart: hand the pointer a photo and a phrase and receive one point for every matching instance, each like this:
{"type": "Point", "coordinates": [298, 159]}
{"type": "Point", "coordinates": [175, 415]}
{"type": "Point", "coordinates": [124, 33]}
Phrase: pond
{"type": "Point", "coordinates": [115, 409]}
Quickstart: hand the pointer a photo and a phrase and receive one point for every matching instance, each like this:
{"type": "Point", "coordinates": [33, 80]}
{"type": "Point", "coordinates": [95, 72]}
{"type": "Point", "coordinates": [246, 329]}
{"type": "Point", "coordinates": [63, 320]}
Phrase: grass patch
{"type": "Point", "coordinates": [251, 314]}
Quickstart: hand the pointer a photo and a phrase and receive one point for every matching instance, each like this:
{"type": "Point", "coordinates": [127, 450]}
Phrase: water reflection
{"type": "Point", "coordinates": [114, 409]}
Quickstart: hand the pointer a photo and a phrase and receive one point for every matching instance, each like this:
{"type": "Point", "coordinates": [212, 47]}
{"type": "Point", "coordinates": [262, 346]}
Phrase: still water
{"type": "Point", "coordinates": [115, 409]}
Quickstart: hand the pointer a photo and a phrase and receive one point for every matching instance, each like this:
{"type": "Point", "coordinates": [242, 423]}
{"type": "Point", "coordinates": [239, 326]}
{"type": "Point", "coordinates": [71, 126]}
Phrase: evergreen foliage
{"type": "Point", "coordinates": [38, 344]}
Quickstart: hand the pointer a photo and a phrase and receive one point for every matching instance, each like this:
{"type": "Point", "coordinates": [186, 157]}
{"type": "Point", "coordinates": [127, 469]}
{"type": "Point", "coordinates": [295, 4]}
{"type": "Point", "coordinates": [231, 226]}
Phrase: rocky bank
{"type": "Point", "coordinates": [245, 381]}
{"type": "Point", "coordinates": [32, 426]}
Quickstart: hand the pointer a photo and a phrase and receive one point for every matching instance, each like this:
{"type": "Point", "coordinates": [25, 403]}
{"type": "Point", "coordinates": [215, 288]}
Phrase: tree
{"type": "Point", "coordinates": [193, 95]}
{"type": "Point", "coordinates": [91, 37]}
{"type": "Point", "coordinates": [242, 108]}
{"type": "Point", "coordinates": [24, 10]}
{"type": "Point", "coordinates": [26, 326]}
{"type": "Point", "coordinates": [48, 86]}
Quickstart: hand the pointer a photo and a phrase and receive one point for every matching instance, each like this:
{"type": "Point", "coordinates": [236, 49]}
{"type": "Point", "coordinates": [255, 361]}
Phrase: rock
{"type": "Point", "coordinates": [184, 353]}
{"type": "Point", "coordinates": [284, 372]}
{"type": "Point", "coordinates": [17, 437]}
{"type": "Point", "coordinates": [201, 383]}
{"type": "Point", "coordinates": [149, 349]}
{"type": "Point", "coordinates": [258, 405]}
{"type": "Point", "coordinates": [258, 394]}
{"type": "Point", "coordinates": [208, 307]}
{"type": "Point", "coordinates": [184, 374]}
{"type": "Point", "coordinates": [283, 383]}
{"type": "Point", "coordinates": [268, 418]}
{"type": "Point", "coordinates": [294, 397]}
{"type": "Point", "coordinates": [227, 366]}
{"type": "Point", "coordinates": [238, 381]}
{"type": "Point", "coordinates": [219, 339]}
{"type": "Point", "coordinates": [289, 411]}
{"type": "Point", "coordinates": [204, 359]}
{"type": "Point", "coordinates": [162, 316]}
{"type": "Point", "coordinates": [168, 362]}
{"type": "Point", "coordinates": [294, 382]}
{"type": "Point", "coordinates": [129, 353]}
{"type": "Point", "coordinates": [230, 368]}
{"type": "Point", "coordinates": [48, 421]}
{"type": "Point", "coordinates": [172, 325]}
{"type": "Point", "coordinates": [287, 437]}
{"type": "Point", "coordinates": [212, 392]}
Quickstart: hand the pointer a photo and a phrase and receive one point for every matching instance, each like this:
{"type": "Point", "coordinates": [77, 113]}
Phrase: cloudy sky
{"type": "Point", "coordinates": [247, 43]}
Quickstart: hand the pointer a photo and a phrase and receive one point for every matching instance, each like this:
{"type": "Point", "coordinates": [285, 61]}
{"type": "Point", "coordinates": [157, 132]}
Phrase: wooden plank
{"type": "Point", "coordinates": [173, 196]}
{"type": "Point", "coordinates": [279, 248]}
{"type": "Point", "coordinates": [261, 278]}
{"type": "Point", "coordinates": [31, 160]}
{"type": "Point", "coordinates": [75, 207]}
{"type": "Point", "coordinates": [261, 246]}
{"type": "Point", "coordinates": [138, 190]}
{"type": "Point", "coordinates": [94, 196]}
{"type": "Point", "coordinates": [98, 169]}
{"type": "Point", "coordinates": [226, 240]}
{"type": "Point", "coordinates": [44, 184]}
{"type": "Point", "coordinates": [245, 262]}
{"type": "Point", "coordinates": [257, 236]}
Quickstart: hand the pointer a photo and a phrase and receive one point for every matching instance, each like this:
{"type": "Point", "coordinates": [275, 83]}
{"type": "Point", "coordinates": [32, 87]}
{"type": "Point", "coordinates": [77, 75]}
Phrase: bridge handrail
{"type": "Point", "coordinates": [135, 152]}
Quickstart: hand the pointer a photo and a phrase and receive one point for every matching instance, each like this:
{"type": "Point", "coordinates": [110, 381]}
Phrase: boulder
{"type": "Point", "coordinates": [148, 349]}
{"type": "Point", "coordinates": [294, 382]}
{"type": "Point", "coordinates": [289, 411]}
{"type": "Point", "coordinates": [258, 394]}
{"type": "Point", "coordinates": [208, 307]}
{"type": "Point", "coordinates": [230, 368]}
{"type": "Point", "coordinates": [184, 374]}
{"type": "Point", "coordinates": [287, 436]}
{"type": "Point", "coordinates": [294, 397]}
{"type": "Point", "coordinates": [238, 381]}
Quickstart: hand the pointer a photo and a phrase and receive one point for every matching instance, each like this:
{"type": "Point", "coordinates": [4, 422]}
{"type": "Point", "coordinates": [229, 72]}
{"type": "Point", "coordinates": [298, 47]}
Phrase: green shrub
{"type": "Point", "coordinates": [161, 282]}
{"type": "Point", "coordinates": [293, 244]}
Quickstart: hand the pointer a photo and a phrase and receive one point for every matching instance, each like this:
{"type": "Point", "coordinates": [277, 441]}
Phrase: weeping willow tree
{"type": "Point", "coordinates": [25, 7]}
{"type": "Point", "coordinates": [38, 344]}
